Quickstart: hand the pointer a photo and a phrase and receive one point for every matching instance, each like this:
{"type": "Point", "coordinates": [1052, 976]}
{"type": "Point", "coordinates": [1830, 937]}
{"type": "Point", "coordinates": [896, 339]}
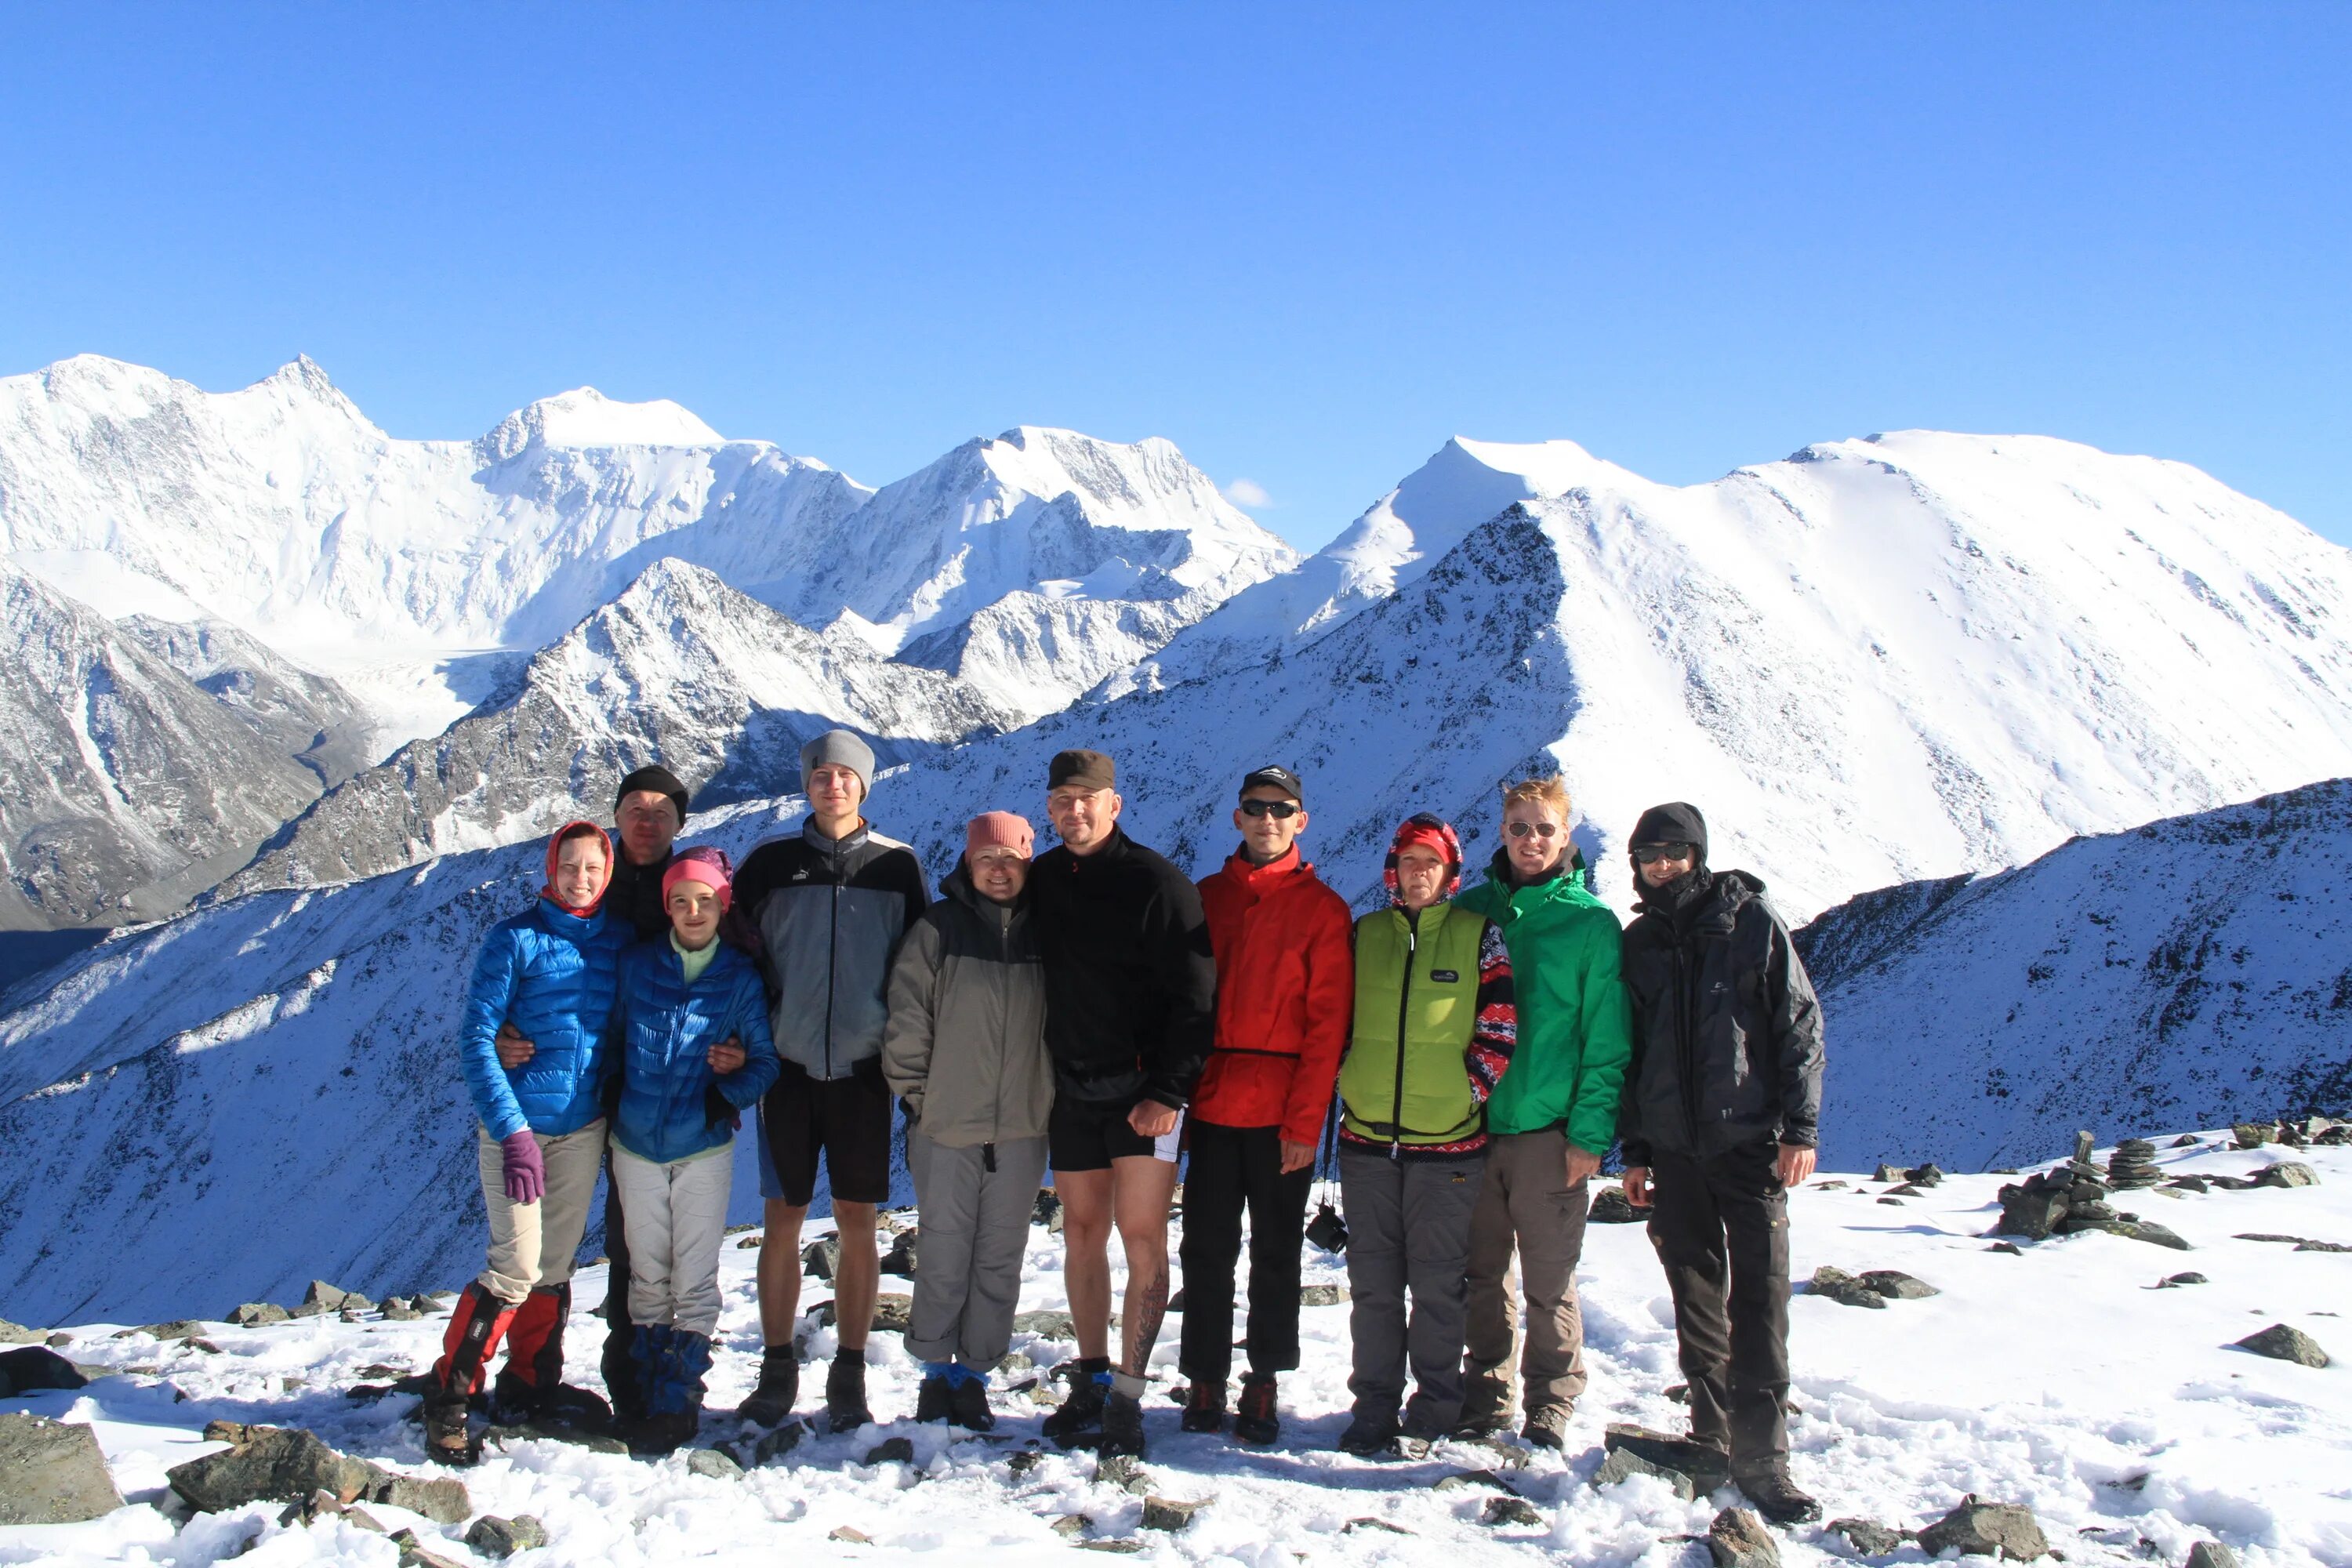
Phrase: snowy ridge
{"type": "Point", "coordinates": [2197, 969]}
{"type": "Point", "coordinates": [2131, 1443]}
{"type": "Point", "coordinates": [682, 669]}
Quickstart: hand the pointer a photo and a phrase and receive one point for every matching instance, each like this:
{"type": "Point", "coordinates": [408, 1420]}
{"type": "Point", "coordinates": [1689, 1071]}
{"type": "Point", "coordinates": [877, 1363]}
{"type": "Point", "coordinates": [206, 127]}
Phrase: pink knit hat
{"type": "Point", "coordinates": [702, 864]}
{"type": "Point", "coordinates": [1000, 829]}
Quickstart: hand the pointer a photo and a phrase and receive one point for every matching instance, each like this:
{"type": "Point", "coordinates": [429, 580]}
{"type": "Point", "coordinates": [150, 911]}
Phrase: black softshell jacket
{"type": "Point", "coordinates": [1726, 1031]}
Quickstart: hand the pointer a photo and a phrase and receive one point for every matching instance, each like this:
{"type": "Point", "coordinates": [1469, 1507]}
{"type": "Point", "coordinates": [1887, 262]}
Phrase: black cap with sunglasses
{"type": "Point", "coordinates": [1279, 778]}
{"type": "Point", "coordinates": [1675, 824]}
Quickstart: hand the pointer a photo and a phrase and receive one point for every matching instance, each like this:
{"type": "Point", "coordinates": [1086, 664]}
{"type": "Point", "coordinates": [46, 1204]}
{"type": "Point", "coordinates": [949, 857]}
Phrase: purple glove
{"type": "Point", "coordinates": [526, 1170]}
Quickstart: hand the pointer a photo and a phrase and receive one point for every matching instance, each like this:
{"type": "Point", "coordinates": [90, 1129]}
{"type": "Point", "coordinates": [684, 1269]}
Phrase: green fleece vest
{"type": "Point", "coordinates": [1416, 1004]}
{"type": "Point", "coordinates": [1575, 1033]}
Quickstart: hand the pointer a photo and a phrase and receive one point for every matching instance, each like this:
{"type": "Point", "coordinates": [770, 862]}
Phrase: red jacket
{"type": "Point", "coordinates": [1286, 986]}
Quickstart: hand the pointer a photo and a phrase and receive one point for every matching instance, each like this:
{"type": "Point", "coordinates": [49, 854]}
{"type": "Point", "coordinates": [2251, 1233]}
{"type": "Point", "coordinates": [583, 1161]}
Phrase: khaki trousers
{"type": "Point", "coordinates": [677, 1216]}
{"type": "Point", "coordinates": [532, 1245]}
{"type": "Point", "coordinates": [1526, 1206]}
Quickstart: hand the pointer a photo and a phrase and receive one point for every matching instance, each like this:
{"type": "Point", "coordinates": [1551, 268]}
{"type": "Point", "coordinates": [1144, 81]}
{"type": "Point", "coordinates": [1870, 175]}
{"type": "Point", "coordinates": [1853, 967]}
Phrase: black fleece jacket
{"type": "Point", "coordinates": [1130, 983]}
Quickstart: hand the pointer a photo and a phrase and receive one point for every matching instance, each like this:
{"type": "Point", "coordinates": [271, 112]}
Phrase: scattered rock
{"type": "Point", "coordinates": [1897, 1286]}
{"type": "Point", "coordinates": [2031, 1209]}
{"type": "Point", "coordinates": [1165, 1513]}
{"type": "Point", "coordinates": [1738, 1539]}
{"type": "Point", "coordinates": [2133, 1229]}
{"type": "Point", "coordinates": [899, 1448]}
{"type": "Point", "coordinates": [855, 1537]}
{"type": "Point", "coordinates": [412, 1555]}
{"type": "Point", "coordinates": [899, 1261]}
{"type": "Point", "coordinates": [253, 1314]}
{"type": "Point", "coordinates": [1124, 1472]}
{"type": "Point", "coordinates": [2171, 1281]}
{"type": "Point", "coordinates": [1050, 1325]}
{"type": "Point", "coordinates": [821, 1257]}
{"type": "Point", "coordinates": [1706, 1467]}
{"type": "Point", "coordinates": [183, 1329]}
{"type": "Point", "coordinates": [1928, 1176]}
{"type": "Point", "coordinates": [1312, 1296]}
{"type": "Point", "coordinates": [1897, 1203]}
{"type": "Point", "coordinates": [442, 1499]}
{"type": "Point", "coordinates": [2212, 1555]}
{"type": "Point", "coordinates": [2009, 1247]}
{"type": "Point", "coordinates": [1868, 1537]}
{"type": "Point", "coordinates": [1906, 1190]}
{"type": "Point", "coordinates": [1612, 1206]}
{"type": "Point", "coordinates": [1986, 1530]}
{"type": "Point", "coordinates": [2185, 1140]}
{"type": "Point", "coordinates": [307, 1309]}
{"type": "Point", "coordinates": [1047, 1210]}
{"type": "Point", "coordinates": [2133, 1165]}
{"type": "Point", "coordinates": [273, 1463]}
{"type": "Point", "coordinates": [1022, 1463]}
{"type": "Point", "coordinates": [557, 1431]}
{"type": "Point", "coordinates": [321, 1294]}
{"type": "Point", "coordinates": [1509, 1511]}
{"type": "Point", "coordinates": [2287, 1173]}
{"type": "Point", "coordinates": [2309, 1246]}
{"type": "Point", "coordinates": [52, 1472]}
{"type": "Point", "coordinates": [713, 1465]}
{"type": "Point", "coordinates": [2231, 1184]}
{"type": "Point", "coordinates": [1072, 1524]}
{"type": "Point", "coordinates": [1506, 1456]}
{"type": "Point", "coordinates": [1837, 1285]}
{"type": "Point", "coordinates": [748, 1243]}
{"type": "Point", "coordinates": [1832, 1185]}
{"type": "Point", "coordinates": [2280, 1343]}
{"type": "Point", "coordinates": [893, 1312]}
{"type": "Point", "coordinates": [399, 1312]}
{"type": "Point", "coordinates": [2189, 1183]}
{"type": "Point", "coordinates": [1679, 1393]}
{"type": "Point", "coordinates": [1622, 1464]}
{"type": "Point", "coordinates": [18, 1334]}
{"type": "Point", "coordinates": [1368, 1522]}
{"type": "Point", "coordinates": [2250, 1135]}
{"type": "Point", "coordinates": [1886, 1172]}
{"type": "Point", "coordinates": [1110, 1546]}
{"type": "Point", "coordinates": [1465, 1480]}
{"type": "Point", "coordinates": [29, 1367]}
{"type": "Point", "coordinates": [495, 1537]}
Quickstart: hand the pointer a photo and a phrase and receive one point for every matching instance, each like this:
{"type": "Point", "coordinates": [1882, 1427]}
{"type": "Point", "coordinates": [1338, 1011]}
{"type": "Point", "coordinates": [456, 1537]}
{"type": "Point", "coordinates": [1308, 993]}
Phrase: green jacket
{"type": "Point", "coordinates": [1575, 1032]}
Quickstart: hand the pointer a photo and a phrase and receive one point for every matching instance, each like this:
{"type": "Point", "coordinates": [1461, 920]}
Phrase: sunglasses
{"type": "Point", "coordinates": [1541, 829]}
{"type": "Point", "coordinates": [1646, 854]}
{"type": "Point", "coordinates": [1280, 810]}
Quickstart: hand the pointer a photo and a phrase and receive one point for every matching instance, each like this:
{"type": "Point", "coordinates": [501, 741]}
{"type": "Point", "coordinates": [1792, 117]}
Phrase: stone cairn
{"type": "Point", "coordinates": [2072, 1199]}
{"type": "Point", "coordinates": [2134, 1164]}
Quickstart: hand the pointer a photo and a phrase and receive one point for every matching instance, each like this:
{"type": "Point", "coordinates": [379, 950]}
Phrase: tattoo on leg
{"type": "Point", "coordinates": [1147, 1307]}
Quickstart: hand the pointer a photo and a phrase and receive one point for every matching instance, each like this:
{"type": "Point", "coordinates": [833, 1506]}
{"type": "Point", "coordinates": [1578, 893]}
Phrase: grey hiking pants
{"type": "Point", "coordinates": [1526, 1206]}
{"type": "Point", "coordinates": [1408, 1230]}
{"type": "Point", "coordinates": [973, 1232]}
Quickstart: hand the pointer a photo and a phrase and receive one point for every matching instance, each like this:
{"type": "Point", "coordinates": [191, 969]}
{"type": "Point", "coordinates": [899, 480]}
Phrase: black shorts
{"type": "Point", "coordinates": [845, 1119]}
{"type": "Point", "coordinates": [1080, 1137]}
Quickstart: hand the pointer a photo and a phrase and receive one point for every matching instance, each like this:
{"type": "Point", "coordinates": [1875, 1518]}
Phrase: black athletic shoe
{"type": "Point", "coordinates": [770, 1404]}
{"type": "Point", "coordinates": [967, 1407]}
{"type": "Point", "coordinates": [931, 1400]}
{"type": "Point", "coordinates": [514, 1402]}
{"type": "Point", "coordinates": [662, 1433]}
{"type": "Point", "coordinates": [1122, 1426]}
{"type": "Point", "coordinates": [1079, 1419]}
{"type": "Point", "coordinates": [1255, 1419]}
{"type": "Point", "coordinates": [1776, 1497]}
{"type": "Point", "coordinates": [845, 1391]}
{"type": "Point", "coordinates": [1205, 1407]}
{"type": "Point", "coordinates": [1370, 1437]}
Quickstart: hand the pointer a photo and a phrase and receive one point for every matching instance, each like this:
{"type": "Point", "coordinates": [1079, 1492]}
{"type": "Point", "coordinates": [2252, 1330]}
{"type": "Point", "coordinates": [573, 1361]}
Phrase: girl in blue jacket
{"type": "Point", "coordinates": [683, 1087]}
{"type": "Point", "coordinates": [552, 970]}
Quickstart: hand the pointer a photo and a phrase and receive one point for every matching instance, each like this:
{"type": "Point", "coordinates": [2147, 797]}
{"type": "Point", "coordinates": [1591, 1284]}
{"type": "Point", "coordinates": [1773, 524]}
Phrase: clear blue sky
{"type": "Point", "coordinates": [1306, 244]}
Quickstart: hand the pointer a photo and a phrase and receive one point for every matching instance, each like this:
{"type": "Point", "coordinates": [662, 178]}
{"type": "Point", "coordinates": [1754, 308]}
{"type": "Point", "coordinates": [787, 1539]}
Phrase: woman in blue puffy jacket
{"type": "Point", "coordinates": [552, 970]}
{"type": "Point", "coordinates": [683, 1085]}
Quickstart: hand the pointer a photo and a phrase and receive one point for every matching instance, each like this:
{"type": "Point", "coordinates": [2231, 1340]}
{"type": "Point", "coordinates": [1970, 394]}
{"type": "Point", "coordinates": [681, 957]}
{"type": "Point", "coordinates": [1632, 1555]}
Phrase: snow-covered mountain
{"type": "Point", "coordinates": [140, 766]}
{"type": "Point", "coordinates": [680, 668]}
{"type": "Point", "coordinates": [2198, 970]}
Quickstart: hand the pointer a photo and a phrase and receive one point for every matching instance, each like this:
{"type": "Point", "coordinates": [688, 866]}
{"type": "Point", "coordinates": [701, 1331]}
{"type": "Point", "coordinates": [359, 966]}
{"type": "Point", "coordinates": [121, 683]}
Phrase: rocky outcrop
{"type": "Point", "coordinates": [52, 1472]}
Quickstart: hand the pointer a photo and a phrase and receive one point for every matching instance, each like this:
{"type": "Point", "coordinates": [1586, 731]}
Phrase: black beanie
{"type": "Point", "coordinates": [657, 778]}
{"type": "Point", "coordinates": [1674, 822]}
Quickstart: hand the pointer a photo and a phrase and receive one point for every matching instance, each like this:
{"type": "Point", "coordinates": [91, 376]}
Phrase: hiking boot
{"type": "Point", "coordinates": [1204, 1406]}
{"type": "Point", "coordinates": [1369, 1436]}
{"type": "Point", "coordinates": [1255, 1420]}
{"type": "Point", "coordinates": [845, 1391]}
{"type": "Point", "coordinates": [663, 1432]}
{"type": "Point", "coordinates": [770, 1404]}
{"type": "Point", "coordinates": [1486, 1406]}
{"type": "Point", "coordinates": [1079, 1419]}
{"type": "Point", "coordinates": [1122, 1426]}
{"type": "Point", "coordinates": [932, 1401]}
{"type": "Point", "coordinates": [623, 1382]}
{"type": "Point", "coordinates": [1776, 1497]}
{"type": "Point", "coordinates": [1547, 1427]}
{"type": "Point", "coordinates": [968, 1405]}
{"type": "Point", "coordinates": [449, 1439]}
{"type": "Point", "coordinates": [514, 1402]}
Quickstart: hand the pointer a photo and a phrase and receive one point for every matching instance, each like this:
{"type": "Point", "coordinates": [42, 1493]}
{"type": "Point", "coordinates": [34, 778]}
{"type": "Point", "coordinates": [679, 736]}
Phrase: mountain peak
{"type": "Point", "coordinates": [584, 416]}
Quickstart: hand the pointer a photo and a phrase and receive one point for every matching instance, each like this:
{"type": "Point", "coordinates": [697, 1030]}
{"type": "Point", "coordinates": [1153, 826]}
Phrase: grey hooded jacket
{"type": "Point", "coordinates": [965, 1047]}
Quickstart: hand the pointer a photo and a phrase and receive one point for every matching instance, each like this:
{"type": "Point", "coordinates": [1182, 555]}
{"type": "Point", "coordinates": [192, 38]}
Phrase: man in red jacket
{"type": "Point", "coordinates": [1285, 984]}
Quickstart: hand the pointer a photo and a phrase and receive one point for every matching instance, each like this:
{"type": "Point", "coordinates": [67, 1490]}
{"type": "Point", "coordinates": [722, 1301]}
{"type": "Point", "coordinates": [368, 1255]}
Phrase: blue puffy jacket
{"type": "Point", "coordinates": [666, 1028]}
{"type": "Point", "coordinates": [554, 975]}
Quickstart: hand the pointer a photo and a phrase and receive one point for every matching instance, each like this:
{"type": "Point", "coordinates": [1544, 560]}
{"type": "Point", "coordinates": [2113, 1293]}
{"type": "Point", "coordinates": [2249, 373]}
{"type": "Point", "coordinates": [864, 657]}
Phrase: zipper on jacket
{"type": "Point", "coordinates": [832, 958]}
{"type": "Point", "coordinates": [1404, 1001]}
{"type": "Point", "coordinates": [1687, 1056]}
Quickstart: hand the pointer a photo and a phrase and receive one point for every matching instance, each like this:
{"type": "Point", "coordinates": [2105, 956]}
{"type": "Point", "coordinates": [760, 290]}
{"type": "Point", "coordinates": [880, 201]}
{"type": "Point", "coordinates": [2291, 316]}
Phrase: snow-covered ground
{"type": "Point", "coordinates": [2060, 1378]}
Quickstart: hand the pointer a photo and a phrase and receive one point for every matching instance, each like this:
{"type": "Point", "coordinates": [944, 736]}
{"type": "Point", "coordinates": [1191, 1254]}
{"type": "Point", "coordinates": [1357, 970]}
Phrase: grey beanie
{"type": "Point", "coordinates": [841, 749]}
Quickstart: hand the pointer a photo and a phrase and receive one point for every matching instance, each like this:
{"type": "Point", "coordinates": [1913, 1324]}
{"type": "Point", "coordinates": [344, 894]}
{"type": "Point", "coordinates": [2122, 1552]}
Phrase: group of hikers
{"type": "Point", "coordinates": [1471, 1055]}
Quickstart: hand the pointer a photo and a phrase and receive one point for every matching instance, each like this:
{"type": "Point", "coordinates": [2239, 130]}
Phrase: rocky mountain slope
{"type": "Point", "coordinates": [131, 785]}
{"type": "Point", "coordinates": [680, 668]}
{"type": "Point", "coordinates": [2197, 969]}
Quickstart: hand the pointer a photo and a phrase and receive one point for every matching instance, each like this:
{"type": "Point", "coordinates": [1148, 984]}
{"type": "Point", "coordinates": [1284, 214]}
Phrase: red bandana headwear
{"type": "Point", "coordinates": [554, 850]}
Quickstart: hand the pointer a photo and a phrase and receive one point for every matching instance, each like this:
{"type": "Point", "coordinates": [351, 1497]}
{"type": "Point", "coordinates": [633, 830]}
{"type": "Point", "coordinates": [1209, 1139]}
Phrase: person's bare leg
{"type": "Point", "coordinates": [1141, 1188]}
{"type": "Point", "coordinates": [779, 1271]}
{"type": "Point", "coordinates": [857, 1276]}
{"type": "Point", "coordinates": [1085, 1256]}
